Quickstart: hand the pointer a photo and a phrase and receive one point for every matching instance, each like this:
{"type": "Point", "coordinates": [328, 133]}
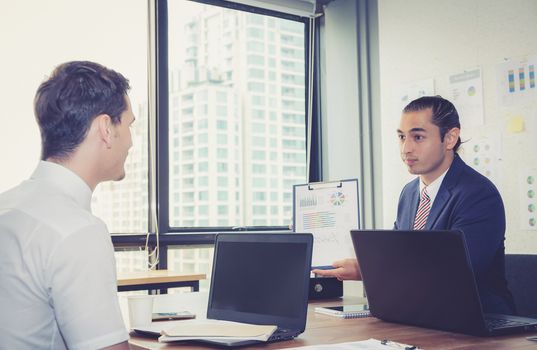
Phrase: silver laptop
{"type": "Point", "coordinates": [425, 278]}
{"type": "Point", "coordinates": [261, 278]}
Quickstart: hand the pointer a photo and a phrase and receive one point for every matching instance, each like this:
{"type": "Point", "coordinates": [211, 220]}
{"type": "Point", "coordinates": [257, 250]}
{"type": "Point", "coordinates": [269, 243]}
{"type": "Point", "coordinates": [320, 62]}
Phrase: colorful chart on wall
{"type": "Point", "coordinates": [466, 93]}
{"type": "Point", "coordinates": [484, 155]}
{"type": "Point", "coordinates": [516, 80]}
{"type": "Point", "coordinates": [413, 90]}
{"type": "Point", "coordinates": [528, 199]}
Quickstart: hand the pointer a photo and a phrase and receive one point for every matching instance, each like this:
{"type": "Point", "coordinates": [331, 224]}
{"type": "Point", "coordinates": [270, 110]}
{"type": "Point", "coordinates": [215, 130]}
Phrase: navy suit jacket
{"type": "Point", "coordinates": [469, 202]}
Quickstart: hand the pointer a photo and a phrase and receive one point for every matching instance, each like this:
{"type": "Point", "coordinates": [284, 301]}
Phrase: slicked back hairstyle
{"type": "Point", "coordinates": [444, 114]}
{"type": "Point", "coordinates": [67, 102]}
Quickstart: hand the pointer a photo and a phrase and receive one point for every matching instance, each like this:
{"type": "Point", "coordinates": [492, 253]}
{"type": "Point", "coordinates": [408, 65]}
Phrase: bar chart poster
{"type": "Point", "coordinates": [329, 211]}
{"type": "Point", "coordinates": [516, 80]}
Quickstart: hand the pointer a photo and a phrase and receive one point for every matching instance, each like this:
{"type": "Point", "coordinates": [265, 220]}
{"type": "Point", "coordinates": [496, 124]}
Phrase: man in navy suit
{"type": "Point", "coordinates": [453, 196]}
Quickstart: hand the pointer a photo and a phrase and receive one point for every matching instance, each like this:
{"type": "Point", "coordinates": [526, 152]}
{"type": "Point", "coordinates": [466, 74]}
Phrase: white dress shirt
{"type": "Point", "coordinates": [433, 187]}
{"type": "Point", "coordinates": [58, 284]}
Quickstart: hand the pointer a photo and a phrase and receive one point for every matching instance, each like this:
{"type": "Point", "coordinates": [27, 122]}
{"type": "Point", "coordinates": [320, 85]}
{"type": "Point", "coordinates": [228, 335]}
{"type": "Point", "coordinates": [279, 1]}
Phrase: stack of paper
{"type": "Point", "coordinates": [370, 344]}
{"type": "Point", "coordinates": [215, 331]}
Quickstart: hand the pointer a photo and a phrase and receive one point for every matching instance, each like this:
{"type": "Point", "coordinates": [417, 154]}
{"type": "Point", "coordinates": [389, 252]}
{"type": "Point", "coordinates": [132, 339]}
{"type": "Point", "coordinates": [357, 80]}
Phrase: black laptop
{"type": "Point", "coordinates": [425, 278]}
{"type": "Point", "coordinates": [261, 278]}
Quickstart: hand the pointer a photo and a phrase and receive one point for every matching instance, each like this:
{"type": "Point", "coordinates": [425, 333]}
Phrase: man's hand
{"type": "Point", "coordinates": [346, 269]}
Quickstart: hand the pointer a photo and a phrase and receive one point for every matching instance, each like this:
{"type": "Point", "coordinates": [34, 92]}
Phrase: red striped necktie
{"type": "Point", "coordinates": [423, 210]}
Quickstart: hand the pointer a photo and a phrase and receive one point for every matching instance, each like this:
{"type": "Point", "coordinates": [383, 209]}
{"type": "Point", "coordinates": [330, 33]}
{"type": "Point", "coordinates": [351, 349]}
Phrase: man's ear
{"type": "Point", "coordinates": [451, 138]}
{"type": "Point", "coordinates": [104, 129]}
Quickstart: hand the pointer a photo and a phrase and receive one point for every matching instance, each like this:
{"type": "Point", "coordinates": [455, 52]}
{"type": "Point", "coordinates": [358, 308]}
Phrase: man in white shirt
{"type": "Point", "coordinates": [57, 267]}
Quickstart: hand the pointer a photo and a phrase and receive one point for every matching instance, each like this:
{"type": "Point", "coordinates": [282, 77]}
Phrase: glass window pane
{"type": "Point", "coordinates": [250, 128]}
{"type": "Point", "coordinates": [191, 259]}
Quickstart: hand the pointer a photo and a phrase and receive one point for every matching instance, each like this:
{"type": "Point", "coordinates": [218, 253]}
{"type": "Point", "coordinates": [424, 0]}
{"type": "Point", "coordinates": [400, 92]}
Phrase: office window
{"type": "Point", "coordinates": [204, 50]}
{"type": "Point", "coordinates": [203, 181]}
{"type": "Point", "coordinates": [221, 153]}
{"type": "Point", "coordinates": [221, 139]}
{"type": "Point", "coordinates": [221, 124]}
{"type": "Point", "coordinates": [259, 168]}
{"type": "Point", "coordinates": [222, 210]}
{"type": "Point", "coordinates": [203, 124]}
{"type": "Point", "coordinates": [258, 155]}
{"type": "Point", "coordinates": [203, 167]}
{"type": "Point", "coordinates": [221, 111]}
{"type": "Point", "coordinates": [222, 181]}
{"type": "Point", "coordinates": [258, 141]}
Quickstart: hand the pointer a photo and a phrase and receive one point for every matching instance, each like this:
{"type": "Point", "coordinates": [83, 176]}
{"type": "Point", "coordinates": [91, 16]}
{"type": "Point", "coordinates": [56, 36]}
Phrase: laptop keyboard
{"type": "Point", "coordinates": [494, 323]}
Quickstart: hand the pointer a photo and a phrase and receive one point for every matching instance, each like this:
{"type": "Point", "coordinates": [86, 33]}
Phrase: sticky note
{"type": "Point", "coordinates": [516, 125]}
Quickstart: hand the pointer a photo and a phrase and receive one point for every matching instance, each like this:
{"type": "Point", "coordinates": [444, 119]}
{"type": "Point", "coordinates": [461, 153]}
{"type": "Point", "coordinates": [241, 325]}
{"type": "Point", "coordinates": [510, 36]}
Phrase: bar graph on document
{"type": "Point", "coordinates": [329, 211]}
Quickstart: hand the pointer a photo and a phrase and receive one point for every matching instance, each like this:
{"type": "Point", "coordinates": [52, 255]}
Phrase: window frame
{"type": "Point", "coordinates": [200, 235]}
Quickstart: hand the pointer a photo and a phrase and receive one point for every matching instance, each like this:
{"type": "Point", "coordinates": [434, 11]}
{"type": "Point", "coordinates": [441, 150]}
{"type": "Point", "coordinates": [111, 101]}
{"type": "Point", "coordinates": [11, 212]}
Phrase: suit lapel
{"type": "Point", "coordinates": [444, 193]}
{"type": "Point", "coordinates": [413, 208]}
{"type": "Point", "coordinates": [439, 203]}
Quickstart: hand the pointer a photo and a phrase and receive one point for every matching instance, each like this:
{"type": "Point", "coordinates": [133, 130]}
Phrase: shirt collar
{"type": "Point", "coordinates": [433, 187]}
{"type": "Point", "coordinates": [67, 181]}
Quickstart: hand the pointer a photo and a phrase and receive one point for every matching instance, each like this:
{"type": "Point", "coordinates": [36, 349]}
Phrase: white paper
{"type": "Point", "coordinates": [411, 91]}
{"type": "Point", "coordinates": [466, 93]}
{"type": "Point", "coordinates": [516, 80]}
{"type": "Point", "coordinates": [370, 344]}
{"type": "Point", "coordinates": [528, 199]}
{"type": "Point", "coordinates": [328, 211]}
{"type": "Point", "coordinates": [483, 153]}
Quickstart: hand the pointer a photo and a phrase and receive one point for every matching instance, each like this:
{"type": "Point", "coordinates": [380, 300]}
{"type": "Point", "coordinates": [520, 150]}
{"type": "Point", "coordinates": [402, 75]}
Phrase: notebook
{"type": "Point", "coordinates": [263, 279]}
{"type": "Point", "coordinates": [425, 278]}
{"type": "Point", "coordinates": [345, 311]}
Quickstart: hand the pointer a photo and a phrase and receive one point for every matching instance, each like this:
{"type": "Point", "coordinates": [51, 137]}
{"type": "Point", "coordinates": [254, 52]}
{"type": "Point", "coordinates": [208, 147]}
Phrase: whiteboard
{"type": "Point", "coordinates": [328, 211]}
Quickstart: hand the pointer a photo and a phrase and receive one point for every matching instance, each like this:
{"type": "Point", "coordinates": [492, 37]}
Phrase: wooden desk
{"type": "Point", "coordinates": [324, 329]}
{"type": "Point", "coordinates": [157, 279]}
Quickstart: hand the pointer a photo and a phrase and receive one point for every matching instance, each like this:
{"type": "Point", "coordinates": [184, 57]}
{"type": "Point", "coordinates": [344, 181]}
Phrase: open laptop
{"type": "Point", "coordinates": [261, 278]}
{"type": "Point", "coordinates": [425, 278]}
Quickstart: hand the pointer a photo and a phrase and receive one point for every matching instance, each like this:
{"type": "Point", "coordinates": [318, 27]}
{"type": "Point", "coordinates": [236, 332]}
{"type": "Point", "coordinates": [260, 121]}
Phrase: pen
{"type": "Point", "coordinates": [325, 267]}
{"type": "Point", "coordinates": [396, 345]}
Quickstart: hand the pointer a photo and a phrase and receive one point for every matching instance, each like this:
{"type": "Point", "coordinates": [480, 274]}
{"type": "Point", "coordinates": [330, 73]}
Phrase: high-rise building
{"type": "Point", "coordinates": [237, 139]}
{"type": "Point", "coordinates": [237, 120]}
{"type": "Point", "coordinates": [123, 205]}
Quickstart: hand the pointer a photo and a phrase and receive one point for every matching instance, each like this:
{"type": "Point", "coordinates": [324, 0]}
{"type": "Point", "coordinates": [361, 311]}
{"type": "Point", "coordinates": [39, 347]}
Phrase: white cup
{"type": "Point", "coordinates": [140, 310]}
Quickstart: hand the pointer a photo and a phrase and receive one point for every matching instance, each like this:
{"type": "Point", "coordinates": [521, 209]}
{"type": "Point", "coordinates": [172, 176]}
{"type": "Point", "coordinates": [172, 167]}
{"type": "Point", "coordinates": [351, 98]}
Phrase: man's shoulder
{"type": "Point", "coordinates": [411, 186]}
{"type": "Point", "coordinates": [46, 208]}
{"type": "Point", "coordinates": [470, 180]}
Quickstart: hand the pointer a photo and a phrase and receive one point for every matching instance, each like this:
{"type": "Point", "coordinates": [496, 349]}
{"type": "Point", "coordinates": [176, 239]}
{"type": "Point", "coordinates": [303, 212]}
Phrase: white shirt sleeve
{"type": "Point", "coordinates": [83, 290]}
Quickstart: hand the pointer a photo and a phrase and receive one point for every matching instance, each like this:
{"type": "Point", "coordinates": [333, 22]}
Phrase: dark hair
{"type": "Point", "coordinates": [444, 114]}
{"type": "Point", "coordinates": [68, 101]}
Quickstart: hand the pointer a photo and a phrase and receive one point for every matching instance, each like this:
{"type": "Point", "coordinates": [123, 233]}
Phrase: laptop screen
{"type": "Point", "coordinates": [261, 278]}
{"type": "Point", "coordinates": [422, 278]}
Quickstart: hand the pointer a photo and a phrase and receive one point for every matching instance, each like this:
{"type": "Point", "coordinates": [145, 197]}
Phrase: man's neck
{"type": "Point", "coordinates": [83, 170]}
{"type": "Point", "coordinates": [429, 178]}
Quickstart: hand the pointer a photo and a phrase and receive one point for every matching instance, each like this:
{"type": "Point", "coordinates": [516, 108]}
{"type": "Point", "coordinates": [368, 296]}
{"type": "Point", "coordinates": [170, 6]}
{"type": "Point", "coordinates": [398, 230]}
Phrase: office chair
{"type": "Point", "coordinates": [521, 274]}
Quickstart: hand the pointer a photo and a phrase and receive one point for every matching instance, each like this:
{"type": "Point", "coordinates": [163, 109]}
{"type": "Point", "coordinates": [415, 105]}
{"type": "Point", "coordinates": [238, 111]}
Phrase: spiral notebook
{"type": "Point", "coordinates": [345, 311]}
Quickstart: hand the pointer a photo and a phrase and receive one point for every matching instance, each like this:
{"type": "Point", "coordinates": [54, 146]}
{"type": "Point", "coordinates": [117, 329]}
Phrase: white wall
{"type": "Point", "coordinates": [340, 104]}
{"type": "Point", "coordinates": [422, 39]}
{"type": "Point", "coordinates": [341, 158]}
{"type": "Point", "coordinates": [35, 37]}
